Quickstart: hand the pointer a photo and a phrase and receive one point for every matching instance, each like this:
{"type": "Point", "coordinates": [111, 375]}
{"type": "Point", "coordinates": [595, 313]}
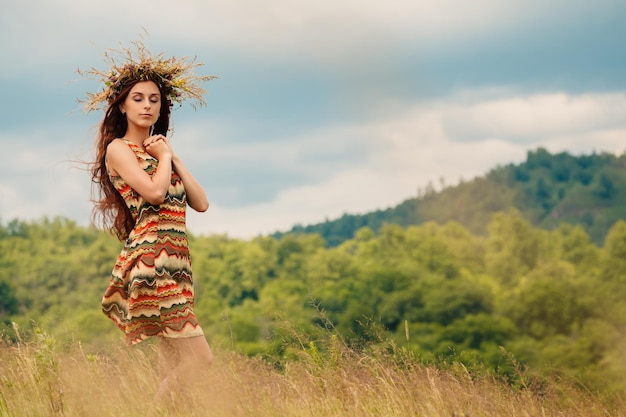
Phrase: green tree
{"type": "Point", "coordinates": [549, 302]}
{"type": "Point", "coordinates": [513, 247]}
{"type": "Point", "coordinates": [8, 301]}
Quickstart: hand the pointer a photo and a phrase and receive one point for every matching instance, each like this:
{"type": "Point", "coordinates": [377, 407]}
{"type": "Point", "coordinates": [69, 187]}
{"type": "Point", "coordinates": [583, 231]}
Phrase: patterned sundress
{"type": "Point", "coordinates": [150, 292]}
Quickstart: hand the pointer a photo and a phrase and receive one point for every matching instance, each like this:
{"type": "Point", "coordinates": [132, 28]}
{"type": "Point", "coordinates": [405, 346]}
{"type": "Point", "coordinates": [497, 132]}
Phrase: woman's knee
{"type": "Point", "coordinates": [200, 352]}
{"type": "Point", "coordinates": [204, 354]}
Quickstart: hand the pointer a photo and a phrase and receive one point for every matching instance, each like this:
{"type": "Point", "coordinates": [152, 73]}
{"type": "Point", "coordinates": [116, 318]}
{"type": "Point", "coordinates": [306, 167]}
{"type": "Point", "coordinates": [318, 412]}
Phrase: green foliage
{"type": "Point", "coordinates": [550, 299]}
{"type": "Point", "coordinates": [8, 302]}
{"type": "Point", "coordinates": [549, 302]}
{"type": "Point", "coordinates": [547, 189]}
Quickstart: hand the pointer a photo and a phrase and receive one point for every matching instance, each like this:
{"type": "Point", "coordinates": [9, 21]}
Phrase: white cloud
{"type": "Point", "coordinates": [41, 177]}
{"type": "Point", "coordinates": [376, 139]}
{"type": "Point", "coordinates": [532, 118]}
{"type": "Point", "coordinates": [330, 33]}
{"type": "Point", "coordinates": [415, 148]}
{"type": "Point", "coordinates": [325, 172]}
{"type": "Point", "coordinates": [361, 189]}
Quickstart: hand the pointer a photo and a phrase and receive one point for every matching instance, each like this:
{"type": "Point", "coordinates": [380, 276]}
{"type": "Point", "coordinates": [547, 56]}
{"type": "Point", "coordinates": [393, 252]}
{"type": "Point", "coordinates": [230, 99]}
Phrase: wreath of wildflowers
{"type": "Point", "coordinates": [174, 75]}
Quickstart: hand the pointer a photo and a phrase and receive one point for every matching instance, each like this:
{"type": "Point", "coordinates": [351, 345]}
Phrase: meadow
{"type": "Point", "coordinates": [39, 377]}
{"type": "Point", "coordinates": [427, 320]}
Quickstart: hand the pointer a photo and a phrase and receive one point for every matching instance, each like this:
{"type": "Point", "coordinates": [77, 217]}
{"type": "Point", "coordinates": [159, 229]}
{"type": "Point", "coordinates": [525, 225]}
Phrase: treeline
{"type": "Point", "coordinates": [547, 189]}
{"type": "Point", "coordinates": [516, 296]}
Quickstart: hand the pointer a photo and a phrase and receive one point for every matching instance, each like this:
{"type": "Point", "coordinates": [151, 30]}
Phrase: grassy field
{"type": "Point", "coordinates": [39, 378]}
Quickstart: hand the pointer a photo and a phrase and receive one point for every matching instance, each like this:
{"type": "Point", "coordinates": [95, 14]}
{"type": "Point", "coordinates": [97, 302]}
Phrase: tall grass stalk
{"type": "Point", "coordinates": [38, 378]}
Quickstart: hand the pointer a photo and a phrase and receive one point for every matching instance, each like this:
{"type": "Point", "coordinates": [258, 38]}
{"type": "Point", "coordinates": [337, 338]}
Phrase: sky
{"type": "Point", "coordinates": [321, 108]}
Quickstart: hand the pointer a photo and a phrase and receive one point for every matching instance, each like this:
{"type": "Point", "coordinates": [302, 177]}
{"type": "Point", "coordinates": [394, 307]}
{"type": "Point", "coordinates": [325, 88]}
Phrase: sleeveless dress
{"type": "Point", "coordinates": [150, 291]}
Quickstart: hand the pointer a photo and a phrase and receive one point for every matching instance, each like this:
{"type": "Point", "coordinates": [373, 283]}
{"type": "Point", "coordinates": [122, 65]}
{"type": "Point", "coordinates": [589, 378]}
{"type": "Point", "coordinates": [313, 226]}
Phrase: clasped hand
{"type": "Point", "coordinates": [158, 146]}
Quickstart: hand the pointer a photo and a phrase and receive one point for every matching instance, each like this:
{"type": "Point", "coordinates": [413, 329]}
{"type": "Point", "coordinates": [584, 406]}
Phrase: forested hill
{"type": "Point", "coordinates": [547, 189]}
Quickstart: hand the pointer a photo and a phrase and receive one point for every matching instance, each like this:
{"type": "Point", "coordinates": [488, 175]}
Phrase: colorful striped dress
{"type": "Point", "coordinates": [150, 292]}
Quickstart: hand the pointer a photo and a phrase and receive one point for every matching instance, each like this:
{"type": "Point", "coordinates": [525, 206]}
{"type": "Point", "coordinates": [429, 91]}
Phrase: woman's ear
{"type": "Point", "coordinates": [122, 109]}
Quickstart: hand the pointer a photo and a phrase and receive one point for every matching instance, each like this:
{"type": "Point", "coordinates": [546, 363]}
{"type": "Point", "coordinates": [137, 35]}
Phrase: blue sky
{"type": "Point", "coordinates": [321, 108]}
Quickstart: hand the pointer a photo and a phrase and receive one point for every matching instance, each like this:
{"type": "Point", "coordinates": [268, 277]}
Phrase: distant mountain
{"type": "Point", "coordinates": [547, 189]}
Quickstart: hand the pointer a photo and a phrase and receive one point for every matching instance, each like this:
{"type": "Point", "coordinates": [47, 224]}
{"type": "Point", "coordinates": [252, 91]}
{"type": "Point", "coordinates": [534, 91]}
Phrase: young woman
{"type": "Point", "coordinates": [144, 189]}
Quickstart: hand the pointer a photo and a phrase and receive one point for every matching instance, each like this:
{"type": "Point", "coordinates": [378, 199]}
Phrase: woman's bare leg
{"type": "Point", "coordinates": [182, 362]}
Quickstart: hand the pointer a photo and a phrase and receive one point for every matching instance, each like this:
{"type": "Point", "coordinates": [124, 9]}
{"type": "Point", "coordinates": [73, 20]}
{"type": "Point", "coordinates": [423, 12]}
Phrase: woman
{"type": "Point", "coordinates": [144, 189]}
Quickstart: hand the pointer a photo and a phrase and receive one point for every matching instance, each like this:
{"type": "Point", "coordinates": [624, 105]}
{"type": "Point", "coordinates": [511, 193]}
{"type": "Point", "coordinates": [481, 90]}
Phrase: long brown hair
{"type": "Point", "coordinates": [109, 206]}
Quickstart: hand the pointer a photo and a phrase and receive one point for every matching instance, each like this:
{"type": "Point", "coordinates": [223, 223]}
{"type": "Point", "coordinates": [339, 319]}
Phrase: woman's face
{"type": "Point", "coordinates": [143, 104]}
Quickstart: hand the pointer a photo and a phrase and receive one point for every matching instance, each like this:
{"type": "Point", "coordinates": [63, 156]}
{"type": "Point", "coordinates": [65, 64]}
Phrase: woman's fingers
{"type": "Point", "coordinates": [153, 139]}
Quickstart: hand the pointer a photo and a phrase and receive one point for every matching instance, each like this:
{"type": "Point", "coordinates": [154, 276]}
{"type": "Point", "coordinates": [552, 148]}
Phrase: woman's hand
{"type": "Point", "coordinates": [158, 146]}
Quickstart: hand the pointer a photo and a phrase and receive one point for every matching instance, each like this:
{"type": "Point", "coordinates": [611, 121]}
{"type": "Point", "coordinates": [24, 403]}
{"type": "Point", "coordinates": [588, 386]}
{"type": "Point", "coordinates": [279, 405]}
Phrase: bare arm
{"type": "Point", "coordinates": [122, 161]}
{"type": "Point", "coordinates": [196, 196]}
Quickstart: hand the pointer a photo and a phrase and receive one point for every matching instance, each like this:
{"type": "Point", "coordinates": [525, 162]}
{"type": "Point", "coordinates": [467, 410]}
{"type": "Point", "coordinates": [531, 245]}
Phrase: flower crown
{"type": "Point", "coordinates": [174, 76]}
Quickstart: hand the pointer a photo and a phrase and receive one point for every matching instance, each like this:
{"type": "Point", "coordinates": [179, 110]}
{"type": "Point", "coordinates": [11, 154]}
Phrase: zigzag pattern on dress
{"type": "Point", "coordinates": [150, 291]}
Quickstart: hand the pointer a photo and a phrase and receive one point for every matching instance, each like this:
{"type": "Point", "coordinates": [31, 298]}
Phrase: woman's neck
{"type": "Point", "coordinates": [136, 135]}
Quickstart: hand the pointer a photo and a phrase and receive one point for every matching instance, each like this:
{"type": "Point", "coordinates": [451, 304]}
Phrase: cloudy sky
{"type": "Point", "coordinates": [321, 108]}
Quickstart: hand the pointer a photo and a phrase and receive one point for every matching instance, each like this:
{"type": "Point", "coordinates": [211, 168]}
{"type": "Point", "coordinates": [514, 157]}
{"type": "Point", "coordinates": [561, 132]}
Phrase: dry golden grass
{"type": "Point", "coordinates": [39, 379]}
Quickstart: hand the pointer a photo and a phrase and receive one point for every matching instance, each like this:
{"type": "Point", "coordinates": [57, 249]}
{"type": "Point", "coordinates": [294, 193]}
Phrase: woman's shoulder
{"type": "Point", "coordinates": [120, 142]}
{"type": "Point", "coordinates": [121, 148]}
{"type": "Point", "coordinates": [122, 145]}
